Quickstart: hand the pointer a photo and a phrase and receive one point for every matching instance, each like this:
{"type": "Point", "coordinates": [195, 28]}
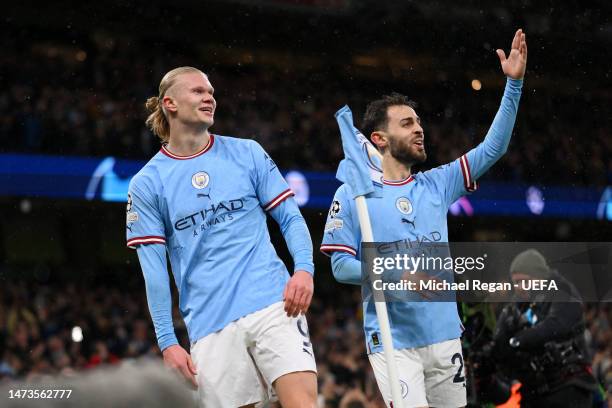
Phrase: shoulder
{"type": "Point", "coordinates": [236, 142]}
{"type": "Point", "coordinates": [343, 191]}
{"type": "Point", "coordinates": [431, 174]}
{"type": "Point", "coordinates": [147, 179]}
{"type": "Point", "coordinates": [436, 175]}
{"type": "Point", "coordinates": [242, 150]}
{"type": "Point", "coordinates": [343, 198]}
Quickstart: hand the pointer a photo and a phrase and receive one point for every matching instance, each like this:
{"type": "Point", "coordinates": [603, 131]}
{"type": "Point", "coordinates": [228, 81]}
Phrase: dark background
{"type": "Point", "coordinates": [75, 77]}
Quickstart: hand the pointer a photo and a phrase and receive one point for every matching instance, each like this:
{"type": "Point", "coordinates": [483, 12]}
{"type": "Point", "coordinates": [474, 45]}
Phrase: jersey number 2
{"type": "Point", "coordinates": [458, 378]}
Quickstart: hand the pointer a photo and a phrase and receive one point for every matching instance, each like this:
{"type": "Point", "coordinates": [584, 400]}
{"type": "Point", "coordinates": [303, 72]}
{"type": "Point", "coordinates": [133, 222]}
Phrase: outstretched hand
{"type": "Point", "coordinates": [514, 66]}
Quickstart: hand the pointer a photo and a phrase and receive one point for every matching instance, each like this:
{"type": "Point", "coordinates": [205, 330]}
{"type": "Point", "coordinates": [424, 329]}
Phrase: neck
{"type": "Point", "coordinates": [185, 140]}
{"type": "Point", "coordinates": [393, 169]}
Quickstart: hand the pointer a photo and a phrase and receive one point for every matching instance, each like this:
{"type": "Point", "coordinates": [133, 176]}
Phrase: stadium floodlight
{"type": "Point", "coordinates": [361, 170]}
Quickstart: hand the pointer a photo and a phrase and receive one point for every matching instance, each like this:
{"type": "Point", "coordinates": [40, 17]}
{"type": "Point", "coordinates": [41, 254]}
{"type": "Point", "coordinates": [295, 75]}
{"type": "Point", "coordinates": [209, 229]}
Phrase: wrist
{"type": "Point", "coordinates": [514, 81]}
{"type": "Point", "coordinates": [309, 268]}
{"type": "Point", "coordinates": [165, 345]}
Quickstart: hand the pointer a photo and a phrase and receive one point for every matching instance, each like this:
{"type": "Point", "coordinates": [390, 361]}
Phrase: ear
{"type": "Point", "coordinates": [379, 138]}
{"type": "Point", "coordinates": [169, 104]}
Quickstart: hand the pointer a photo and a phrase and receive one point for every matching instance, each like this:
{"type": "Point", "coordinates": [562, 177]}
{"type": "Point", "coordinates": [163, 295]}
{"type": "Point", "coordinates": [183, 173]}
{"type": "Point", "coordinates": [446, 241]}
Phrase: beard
{"type": "Point", "coordinates": [406, 154]}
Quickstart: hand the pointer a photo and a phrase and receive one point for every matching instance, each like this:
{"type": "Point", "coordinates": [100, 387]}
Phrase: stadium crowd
{"type": "Point", "coordinates": [37, 336]}
{"type": "Point", "coordinates": [90, 102]}
{"type": "Point", "coordinates": [86, 97]}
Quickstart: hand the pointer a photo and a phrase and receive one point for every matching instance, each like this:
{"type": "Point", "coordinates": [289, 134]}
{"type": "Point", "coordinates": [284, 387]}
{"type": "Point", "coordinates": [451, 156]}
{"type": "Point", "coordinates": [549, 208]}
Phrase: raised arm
{"type": "Point", "coordinates": [497, 139]}
{"type": "Point", "coordinates": [460, 177]}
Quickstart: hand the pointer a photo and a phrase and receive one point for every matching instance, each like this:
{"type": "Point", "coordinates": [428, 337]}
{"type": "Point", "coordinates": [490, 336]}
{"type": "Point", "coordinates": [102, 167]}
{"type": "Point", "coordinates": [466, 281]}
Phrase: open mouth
{"type": "Point", "coordinates": [419, 143]}
{"type": "Point", "coordinates": [207, 109]}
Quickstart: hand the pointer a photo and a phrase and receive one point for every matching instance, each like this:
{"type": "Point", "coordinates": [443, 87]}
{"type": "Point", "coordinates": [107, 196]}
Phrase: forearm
{"type": "Point", "coordinates": [152, 259]}
{"type": "Point", "coordinates": [346, 268]}
{"type": "Point", "coordinates": [497, 139]}
{"type": "Point", "coordinates": [296, 234]}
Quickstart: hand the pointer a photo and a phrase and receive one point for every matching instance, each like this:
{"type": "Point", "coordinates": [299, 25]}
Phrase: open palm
{"type": "Point", "coordinates": [514, 66]}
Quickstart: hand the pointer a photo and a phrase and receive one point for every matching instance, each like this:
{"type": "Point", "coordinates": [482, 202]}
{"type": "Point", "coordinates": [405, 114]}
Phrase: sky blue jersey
{"type": "Point", "coordinates": [209, 211]}
{"type": "Point", "coordinates": [415, 210]}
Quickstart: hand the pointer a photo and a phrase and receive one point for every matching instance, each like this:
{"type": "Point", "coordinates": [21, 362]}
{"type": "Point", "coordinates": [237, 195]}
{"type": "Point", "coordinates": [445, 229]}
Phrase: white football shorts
{"type": "Point", "coordinates": [237, 365]}
{"type": "Point", "coordinates": [430, 376]}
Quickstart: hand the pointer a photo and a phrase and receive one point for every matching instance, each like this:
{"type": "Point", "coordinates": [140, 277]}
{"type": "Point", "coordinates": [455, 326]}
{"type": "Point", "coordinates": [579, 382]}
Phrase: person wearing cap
{"type": "Point", "coordinates": [541, 342]}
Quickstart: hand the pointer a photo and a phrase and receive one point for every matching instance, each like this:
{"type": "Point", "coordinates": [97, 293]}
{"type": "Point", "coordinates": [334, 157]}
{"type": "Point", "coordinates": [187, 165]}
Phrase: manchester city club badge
{"type": "Point", "coordinates": [200, 180]}
{"type": "Point", "coordinates": [403, 205]}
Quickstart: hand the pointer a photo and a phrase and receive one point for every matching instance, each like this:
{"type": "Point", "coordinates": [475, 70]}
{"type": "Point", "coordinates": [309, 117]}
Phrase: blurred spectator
{"type": "Point", "coordinates": [116, 326]}
{"type": "Point", "coordinates": [56, 102]}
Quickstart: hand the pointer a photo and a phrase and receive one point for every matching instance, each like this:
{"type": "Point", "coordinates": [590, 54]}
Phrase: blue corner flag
{"type": "Point", "coordinates": [361, 167]}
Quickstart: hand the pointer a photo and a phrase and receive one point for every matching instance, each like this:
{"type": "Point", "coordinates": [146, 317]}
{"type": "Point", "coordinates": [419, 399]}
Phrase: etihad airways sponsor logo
{"type": "Point", "coordinates": [211, 215]}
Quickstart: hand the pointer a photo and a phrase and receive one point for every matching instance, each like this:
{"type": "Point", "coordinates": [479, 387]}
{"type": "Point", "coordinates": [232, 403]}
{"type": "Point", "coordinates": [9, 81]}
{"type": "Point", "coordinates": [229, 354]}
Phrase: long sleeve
{"type": "Point", "coordinates": [460, 176]}
{"type": "Point", "coordinates": [294, 229]}
{"type": "Point", "coordinates": [152, 259]}
{"type": "Point", "coordinates": [496, 141]}
{"type": "Point", "coordinates": [346, 268]}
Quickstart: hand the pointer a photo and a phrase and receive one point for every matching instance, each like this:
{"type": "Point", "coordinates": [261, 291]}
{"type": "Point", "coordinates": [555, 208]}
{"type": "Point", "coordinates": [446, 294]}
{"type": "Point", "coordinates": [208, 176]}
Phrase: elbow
{"type": "Point", "coordinates": [496, 153]}
{"type": "Point", "coordinates": [158, 290]}
{"type": "Point", "coordinates": [344, 271]}
{"type": "Point", "coordinates": [337, 267]}
{"type": "Point", "coordinates": [293, 221]}
{"type": "Point", "coordinates": [503, 149]}
{"type": "Point", "coordinates": [338, 276]}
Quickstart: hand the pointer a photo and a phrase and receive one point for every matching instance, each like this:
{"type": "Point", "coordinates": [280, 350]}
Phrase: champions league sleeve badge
{"type": "Point", "coordinates": [334, 209]}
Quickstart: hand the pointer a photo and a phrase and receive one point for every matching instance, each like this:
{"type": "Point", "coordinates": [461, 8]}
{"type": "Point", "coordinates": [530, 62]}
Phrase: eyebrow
{"type": "Point", "coordinates": [410, 119]}
{"type": "Point", "coordinates": [211, 89]}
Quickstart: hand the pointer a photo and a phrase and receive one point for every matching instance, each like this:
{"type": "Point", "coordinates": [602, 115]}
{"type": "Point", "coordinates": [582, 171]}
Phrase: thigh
{"type": "Point", "coordinates": [227, 376]}
{"type": "Point", "coordinates": [410, 371]}
{"type": "Point", "coordinates": [445, 374]}
{"type": "Point", "coordinates": [279, 344]}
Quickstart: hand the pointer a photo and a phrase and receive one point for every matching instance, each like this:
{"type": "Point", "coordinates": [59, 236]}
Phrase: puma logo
{"type": "Point", "coordinates": [404, 220]}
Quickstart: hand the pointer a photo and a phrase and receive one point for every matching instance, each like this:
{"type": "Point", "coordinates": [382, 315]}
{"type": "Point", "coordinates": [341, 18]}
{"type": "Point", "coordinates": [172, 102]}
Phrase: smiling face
{"type": "Point", "coordinates": [190, 100]}
{"type": "Point", "coordinates": [404, 135]}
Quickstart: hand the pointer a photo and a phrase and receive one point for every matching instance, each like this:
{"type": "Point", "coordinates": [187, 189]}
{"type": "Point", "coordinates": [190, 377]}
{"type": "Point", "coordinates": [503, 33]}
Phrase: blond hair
{"type": "Point", "coordinates": [157, 120]}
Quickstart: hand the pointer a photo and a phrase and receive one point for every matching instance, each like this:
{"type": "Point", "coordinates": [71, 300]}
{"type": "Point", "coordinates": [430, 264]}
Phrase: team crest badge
{"type": "Point", "coordinates": [403, 205]}
{"type": "Point", "coordinates": [200, 180]}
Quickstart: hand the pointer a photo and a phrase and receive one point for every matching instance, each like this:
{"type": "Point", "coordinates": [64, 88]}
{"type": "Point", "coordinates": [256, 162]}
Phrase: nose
{"type": "Point", "coordinates": [210, 100]}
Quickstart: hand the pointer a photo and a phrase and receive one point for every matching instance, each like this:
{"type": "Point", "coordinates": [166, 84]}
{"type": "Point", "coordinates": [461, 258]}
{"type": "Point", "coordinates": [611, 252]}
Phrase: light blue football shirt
{"type": "Point", "coordinates": [209, 209]}
{"type": "Point", "coordinates": [415, 210]}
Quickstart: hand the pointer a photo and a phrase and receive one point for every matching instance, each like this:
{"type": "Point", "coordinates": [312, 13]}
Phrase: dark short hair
{"type": "Point", "coordinates": [376, 118]}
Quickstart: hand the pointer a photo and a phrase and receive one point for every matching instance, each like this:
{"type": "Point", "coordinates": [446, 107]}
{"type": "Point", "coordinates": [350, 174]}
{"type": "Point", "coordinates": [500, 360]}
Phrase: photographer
{"type": "Point", "coordinates": [541, 343]}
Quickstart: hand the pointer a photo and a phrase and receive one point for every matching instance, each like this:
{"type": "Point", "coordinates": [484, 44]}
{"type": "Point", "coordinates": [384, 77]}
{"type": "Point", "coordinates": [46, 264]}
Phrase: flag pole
{"type": "Point", "coordinates": [361, 174]}
{"type": "Point", "coordinates": [381, 311]}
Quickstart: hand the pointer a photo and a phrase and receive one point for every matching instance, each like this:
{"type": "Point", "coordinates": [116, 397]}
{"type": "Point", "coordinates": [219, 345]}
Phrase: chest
{"type": "Point", "coordinates": [408, 212]}
{"type": "Point", "coordinates": [207, 192]}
